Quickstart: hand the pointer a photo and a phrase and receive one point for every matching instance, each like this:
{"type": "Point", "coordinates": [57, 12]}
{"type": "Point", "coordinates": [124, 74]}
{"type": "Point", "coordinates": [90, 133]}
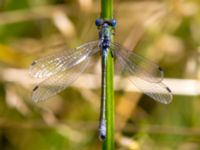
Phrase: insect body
{"type": "Point", "coordinates": [105, 35]}
{"type": "Point", "coordinates": [63, 68]}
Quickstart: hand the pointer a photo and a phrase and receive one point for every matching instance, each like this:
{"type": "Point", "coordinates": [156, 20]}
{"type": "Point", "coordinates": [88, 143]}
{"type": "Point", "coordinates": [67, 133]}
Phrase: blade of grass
{"type": "Point", "coordinates": [108, 144]}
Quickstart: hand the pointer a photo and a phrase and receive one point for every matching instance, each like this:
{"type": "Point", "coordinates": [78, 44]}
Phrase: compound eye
{"type": "Point", "coordinates": [99, 22]}
{"type": "Point", "coordinates": [114, 23]}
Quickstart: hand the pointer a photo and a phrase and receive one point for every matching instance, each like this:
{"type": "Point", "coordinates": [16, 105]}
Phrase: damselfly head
{"type": "Point", "coordinates": [105, 23]}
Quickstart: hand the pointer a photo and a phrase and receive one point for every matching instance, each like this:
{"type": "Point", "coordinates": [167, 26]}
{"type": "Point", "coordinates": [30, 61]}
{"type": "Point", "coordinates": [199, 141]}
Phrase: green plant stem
{"type": "Point", "coordinates": [107, 9]}
{"type": "Point", "coordinates": [108, 144]}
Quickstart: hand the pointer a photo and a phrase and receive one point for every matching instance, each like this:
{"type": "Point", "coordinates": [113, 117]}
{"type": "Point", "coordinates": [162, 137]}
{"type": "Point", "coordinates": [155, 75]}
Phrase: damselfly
{"type": "Point", "coordinates": [61, 69]}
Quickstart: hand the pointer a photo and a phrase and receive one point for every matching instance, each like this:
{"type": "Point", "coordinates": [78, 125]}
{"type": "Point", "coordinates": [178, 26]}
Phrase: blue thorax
{"type": "Point", "coordinates": [105, 31]}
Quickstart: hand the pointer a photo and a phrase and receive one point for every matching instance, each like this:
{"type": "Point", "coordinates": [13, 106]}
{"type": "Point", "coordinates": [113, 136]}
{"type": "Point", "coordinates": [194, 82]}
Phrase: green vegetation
{"type": "Point", "coordinates": [108, 144]}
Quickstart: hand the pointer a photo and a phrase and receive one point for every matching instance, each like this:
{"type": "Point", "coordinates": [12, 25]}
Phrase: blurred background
{"type": "Point", "coordinates": [165, 31]}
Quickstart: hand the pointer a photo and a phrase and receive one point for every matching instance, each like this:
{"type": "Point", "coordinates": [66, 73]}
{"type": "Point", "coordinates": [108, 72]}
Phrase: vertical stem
{"type": "Point", "coordinates": [107, 9]}
{"type": "Point", "coordinates": [108, 144]}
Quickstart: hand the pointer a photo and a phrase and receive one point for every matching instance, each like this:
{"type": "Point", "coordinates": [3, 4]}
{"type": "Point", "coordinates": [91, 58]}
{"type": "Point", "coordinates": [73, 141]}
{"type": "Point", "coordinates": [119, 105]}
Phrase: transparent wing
{"type": "Point", "coordinates": [58, 82]}
{"type": "Point", "coordinates": [158, 91]}
{"type": "Point", "coordinates": [52, 64]}
{"type": "Point", "coordinates": [137, 65]}
{"type": "Point", "coordinates": [150, 86]}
